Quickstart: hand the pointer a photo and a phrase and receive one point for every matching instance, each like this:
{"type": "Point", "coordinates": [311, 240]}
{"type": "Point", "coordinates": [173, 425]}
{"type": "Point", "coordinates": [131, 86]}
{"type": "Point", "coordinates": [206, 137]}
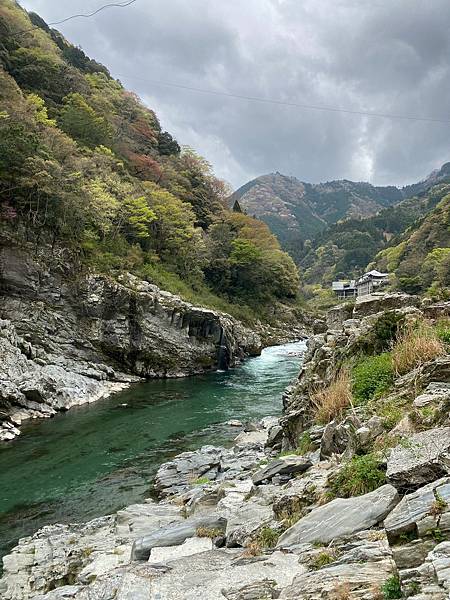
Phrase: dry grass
{"type": "Point", "coordinates": [418, 344]}
{"type": "Point", "coordinates": [253, 549]}
{"type": "Point", "coordinates": [331, 402]}
{"type": "Point", "coordinates": [341, 592]}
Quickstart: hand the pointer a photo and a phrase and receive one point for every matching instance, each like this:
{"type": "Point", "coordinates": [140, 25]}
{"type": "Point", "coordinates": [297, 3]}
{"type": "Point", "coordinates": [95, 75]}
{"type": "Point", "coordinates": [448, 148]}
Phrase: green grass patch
{"type": "Point", "coordinates": [267, 537]}
{"type": "Point", "coordinates": [360, 475]}
{"type": "Point", "coordinates": [391, 588]}
{"type": "Point", "coordinates": [201, 481]}
{"type": "Point", "coordinates": [442, 328]}
{"type": "Point", "coordinates": [371, 377]}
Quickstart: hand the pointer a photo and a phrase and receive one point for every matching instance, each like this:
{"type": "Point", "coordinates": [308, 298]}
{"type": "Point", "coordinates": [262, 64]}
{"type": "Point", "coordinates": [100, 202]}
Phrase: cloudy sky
{"type": "Point", "coordinates": [384, 56]}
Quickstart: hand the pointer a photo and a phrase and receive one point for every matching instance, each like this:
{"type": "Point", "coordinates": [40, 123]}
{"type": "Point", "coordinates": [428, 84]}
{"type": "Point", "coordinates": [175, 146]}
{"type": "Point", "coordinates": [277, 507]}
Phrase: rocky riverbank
{"type": "Point", "coordinates": [356, 507]}
{"type": "Point", "coordinates": [65, 341]}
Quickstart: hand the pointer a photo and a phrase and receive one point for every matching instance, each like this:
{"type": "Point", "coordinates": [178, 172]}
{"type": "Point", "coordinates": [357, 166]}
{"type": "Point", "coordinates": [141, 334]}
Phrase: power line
{"type": "Point", "coordinates": [77, 16]}
{"type": "Point", "coordinates": [92, 14]}
{"type": "Point", "coordinates": [291, 104]}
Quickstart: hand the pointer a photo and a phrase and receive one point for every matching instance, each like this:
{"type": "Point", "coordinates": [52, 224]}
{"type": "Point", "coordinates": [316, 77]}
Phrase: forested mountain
{"type": "Point", "coordinates": [298, 211]}
{"type": "Point", "coordinates": [86, 167]}
{"type": "Point", "coordinates": [411, 240]}
{"type": "Point", "coordinates": [420, 258]}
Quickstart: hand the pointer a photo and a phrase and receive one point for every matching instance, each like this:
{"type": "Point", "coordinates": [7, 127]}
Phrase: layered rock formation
{"type": "Point", "coordinates": [248, 523]}
{"type": "Point", "coordinates": [66, 340]}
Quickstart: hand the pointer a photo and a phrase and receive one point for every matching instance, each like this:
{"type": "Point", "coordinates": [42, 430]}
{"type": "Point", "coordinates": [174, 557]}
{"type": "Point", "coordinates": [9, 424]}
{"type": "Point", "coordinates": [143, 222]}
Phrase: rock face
{"type": "Point", "coordinates": [341, 517]}
{"type": "Point", "coordinates": [66, 340]}
{"type": "Point", "coordinates": [422, 509]}
{"type": "Point", "coordinates": [359, 568]}
{"type": "Point", "coordinates": [350, 331]}
{"type": "Point", "coordinates": [287, 466]}
{"type": "Point", "coordinates": [174, 535]}
{"type": "Point", "coordinates": [424, 458]}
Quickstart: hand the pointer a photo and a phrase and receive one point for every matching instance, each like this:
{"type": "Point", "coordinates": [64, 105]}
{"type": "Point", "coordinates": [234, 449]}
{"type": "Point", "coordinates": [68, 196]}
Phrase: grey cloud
{"type": "Point", "coordinates": [390, 57]}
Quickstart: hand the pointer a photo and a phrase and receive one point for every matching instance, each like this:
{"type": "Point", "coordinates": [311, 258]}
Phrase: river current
{"type": "Point", "coordinates": [97, 458]}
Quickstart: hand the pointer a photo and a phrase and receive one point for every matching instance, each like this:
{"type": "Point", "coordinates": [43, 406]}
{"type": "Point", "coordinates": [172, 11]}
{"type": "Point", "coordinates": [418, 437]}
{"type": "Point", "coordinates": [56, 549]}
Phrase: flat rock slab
{"type": "Point", "coordinates": [219, 574]}
{"type": "Point", "coordinates": [288, 465]}
{"type": "Point", "coordinates": [174, 535]}
{"type": "Point", "coordinates": [415, 507]}
{"type": "Point", "coordinates": [138, 519]}
{"type": "Point", "coordinates": [423, 458]}
{"type": "Point", "coordinates": [190, 547]}
{"type": "Point", "coordinates": [180, 473]}
{"type": "Point", "coordinates": [349, 580]}
{"type": "Point", "coordinates": [341, 517]}
{"type": "Point", "coordinates": [245, 521]}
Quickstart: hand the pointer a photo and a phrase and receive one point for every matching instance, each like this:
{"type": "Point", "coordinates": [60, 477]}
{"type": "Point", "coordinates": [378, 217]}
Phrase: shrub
{"type": "Point", "coordinates": [201, 481]}
{"type": "Point", "coordinates": [331, 402]}
{"type": "Point", "coordinates": [208, 532]}
{"type": "Point", "coordinates": [418, 344]}
{"type": "Point", "coordinates": [391, 588]}
{"type": "Point", "coordinates": [383, 334]}
{"type": "Point", "coordinates": [323, 559]}
{"type": "Point", "coordinates": [360, 475]}
{"type": "Point", "coordinates": [371, 377]}
{"type": "Point", "coordinates": [305, 444]}
{"type": "Point", "coordinates": [442, 329]}
{"type": "Point", "coordinates": [267, 537]}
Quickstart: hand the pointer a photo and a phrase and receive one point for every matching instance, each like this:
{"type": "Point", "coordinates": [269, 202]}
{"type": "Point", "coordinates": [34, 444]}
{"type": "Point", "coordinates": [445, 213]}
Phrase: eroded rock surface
{"type": "Point", "coordinates": [66, 341]}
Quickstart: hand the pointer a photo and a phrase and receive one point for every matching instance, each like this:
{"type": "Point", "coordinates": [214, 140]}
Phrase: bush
{"type": "Point", "coordinates": [360, 475]}
{"type": "Point", "coordinates": [391, 588]}
{"type": "Point", "coordinates": [371, 377]}
{"type": "Point", "coordinates": [442, 329]}
{"type": "Point", "coordinates": [383, 334]}
{"type": "Point", "coordinates": [418, 344]}
{"type": "Point", "coordinates": [267, 537]}
{"type": "Point", "coordinates": [331, 402]}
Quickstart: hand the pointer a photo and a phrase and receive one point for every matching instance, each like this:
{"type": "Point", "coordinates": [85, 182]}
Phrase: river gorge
{"type": "Point", "coordinates": [97, 458]}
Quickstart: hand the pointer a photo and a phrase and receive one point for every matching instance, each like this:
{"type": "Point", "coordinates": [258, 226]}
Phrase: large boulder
{"type": "Point", "coordinates": [378, 302]}
{"type": "Point", "coordinates": [174, 535]}
{"type": "Point", "coordinates": [244, 522]}
{"type": "Point", "coordinates": [359, 567]}
{"type": "Point", "coordinates": [341, 517]}
{"type": "Point", "coordinates": [417, 507]}
{"type": "Point", "coordinates": [420, 459]}
{"type": "Point", "coordinates": [180, 473]}
{"type": "Point", "coordinates": [287, 465]}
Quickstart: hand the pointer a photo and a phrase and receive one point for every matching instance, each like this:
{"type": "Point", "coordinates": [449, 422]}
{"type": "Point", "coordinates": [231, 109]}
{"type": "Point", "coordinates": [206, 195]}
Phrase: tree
{"type": "Point", "coordinates": [80, 121]}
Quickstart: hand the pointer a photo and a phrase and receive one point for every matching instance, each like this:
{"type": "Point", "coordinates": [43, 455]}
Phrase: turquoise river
{"type": "Point", "coordinates": [97, 458]}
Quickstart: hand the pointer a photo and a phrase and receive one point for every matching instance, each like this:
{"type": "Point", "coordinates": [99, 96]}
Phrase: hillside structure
{"type": "Point", "coordinates": [369, 283]}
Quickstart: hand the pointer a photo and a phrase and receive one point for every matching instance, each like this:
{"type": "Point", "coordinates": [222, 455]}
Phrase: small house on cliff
{"type": "Point", "coordinates": [367, 284]}
{"type": "Point", "coordinates": [371, 282]}
{"type": "Point", "coordinates": [344, 289]}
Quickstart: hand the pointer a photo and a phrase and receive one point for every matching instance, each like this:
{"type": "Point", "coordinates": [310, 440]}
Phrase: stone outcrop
{"type": "Point", "coordinates": [287, 467]}
{"type": "Point", "coordinates": [244, 523]}
{"type": "Point", "coordinates": [424, 458]}
{"type": "Point", "coordinates": [66, 339]}
{"type": "Point", "coordinates": [349, 332]}
{"type": "Point", "coordinates": [341, 517]}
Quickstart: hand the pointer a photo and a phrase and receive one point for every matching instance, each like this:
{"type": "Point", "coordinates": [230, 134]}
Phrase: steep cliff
{"type": "Point", "coordinates": [67, 340]}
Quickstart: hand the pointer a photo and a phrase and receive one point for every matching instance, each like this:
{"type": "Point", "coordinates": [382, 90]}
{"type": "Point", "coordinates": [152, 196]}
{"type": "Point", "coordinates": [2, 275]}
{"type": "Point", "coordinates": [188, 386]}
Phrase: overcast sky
{"type": "Point", "coordinates": [389, 56]}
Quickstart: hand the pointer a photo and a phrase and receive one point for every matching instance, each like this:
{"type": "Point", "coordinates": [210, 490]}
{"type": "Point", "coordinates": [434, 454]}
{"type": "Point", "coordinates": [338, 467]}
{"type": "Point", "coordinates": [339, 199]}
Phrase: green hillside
{"type": "Point", "coordinates": [86, 167]}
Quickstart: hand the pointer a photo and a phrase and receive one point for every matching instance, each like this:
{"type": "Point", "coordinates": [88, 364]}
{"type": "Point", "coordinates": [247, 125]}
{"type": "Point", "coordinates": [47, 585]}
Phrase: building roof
{"type": "Point", "coordinates": [375, 273]}
{"type": "Point", "coordinates": [343, 285]}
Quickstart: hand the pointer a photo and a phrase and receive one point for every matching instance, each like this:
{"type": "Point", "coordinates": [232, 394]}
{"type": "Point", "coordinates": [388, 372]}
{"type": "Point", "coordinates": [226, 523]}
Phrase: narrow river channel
{"type": "Point", "coordinates": [98, 458]}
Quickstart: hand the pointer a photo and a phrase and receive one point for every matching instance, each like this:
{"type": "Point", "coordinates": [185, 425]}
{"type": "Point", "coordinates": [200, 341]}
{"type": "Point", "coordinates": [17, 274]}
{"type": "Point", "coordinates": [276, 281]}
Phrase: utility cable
{"type": "Point", "coordinates": [77, 16]}
{"type": "Point", "coordinates": [291, 104]}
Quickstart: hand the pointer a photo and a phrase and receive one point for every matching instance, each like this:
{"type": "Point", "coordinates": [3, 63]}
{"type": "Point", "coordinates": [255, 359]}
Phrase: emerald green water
{"type": "Point", "coordinates": [98, 458]}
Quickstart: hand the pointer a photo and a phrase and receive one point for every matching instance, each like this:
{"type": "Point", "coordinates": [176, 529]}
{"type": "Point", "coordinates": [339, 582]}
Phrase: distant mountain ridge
{"type": "Point", "coordinates": [296, 211]}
